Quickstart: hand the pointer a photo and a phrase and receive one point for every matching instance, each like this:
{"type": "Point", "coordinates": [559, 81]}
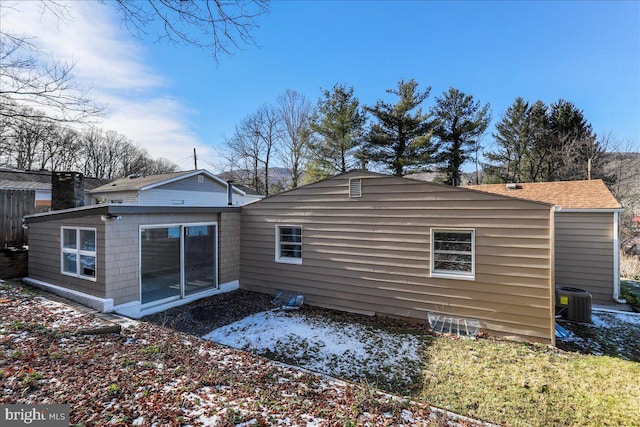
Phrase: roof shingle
{"type": "Point", "coordinates": [592, 194]}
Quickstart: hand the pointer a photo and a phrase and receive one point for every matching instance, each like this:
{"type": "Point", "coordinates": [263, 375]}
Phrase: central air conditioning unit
{"type": "Point", "coordinates": [573, 304]}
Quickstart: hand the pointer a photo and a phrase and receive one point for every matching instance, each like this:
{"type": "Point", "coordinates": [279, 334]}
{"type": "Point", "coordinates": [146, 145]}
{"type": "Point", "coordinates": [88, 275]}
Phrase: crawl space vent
{"type": "Point", "coordinates": [355, 187]}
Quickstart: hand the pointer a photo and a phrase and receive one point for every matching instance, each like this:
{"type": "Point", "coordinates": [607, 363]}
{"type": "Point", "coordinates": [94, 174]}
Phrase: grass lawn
{"type": "Point", "coordinates": [501, 381]}
{"type": "Point", "coordinates": [530, 385]}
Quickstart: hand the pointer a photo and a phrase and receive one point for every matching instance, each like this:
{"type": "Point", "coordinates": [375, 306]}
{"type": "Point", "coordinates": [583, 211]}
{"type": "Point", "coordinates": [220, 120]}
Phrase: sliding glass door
{"type": "Point", "coordinates": [177, 261]}
{"type": "Point", "coordinates": [199, 258]}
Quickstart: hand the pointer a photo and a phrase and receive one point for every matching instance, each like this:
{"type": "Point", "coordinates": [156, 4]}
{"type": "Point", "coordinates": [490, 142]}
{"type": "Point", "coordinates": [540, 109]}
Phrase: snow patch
{"type": "Point", "coordinates": [338, 349]}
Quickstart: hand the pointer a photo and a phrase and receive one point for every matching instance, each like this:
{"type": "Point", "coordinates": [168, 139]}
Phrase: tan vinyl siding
{"type": "Point", "coordinates": [229, 247]}
{"type": "Point", "coordinates": [371, 254]}
{"type": "Point", "coordinates": [118, 251]}
{"type": "Point", "coordinates": [45, 253]}
{"type": "Point", "coordinates": [584, 253]}
{"type": "Point", "coordinates": [123, 250]}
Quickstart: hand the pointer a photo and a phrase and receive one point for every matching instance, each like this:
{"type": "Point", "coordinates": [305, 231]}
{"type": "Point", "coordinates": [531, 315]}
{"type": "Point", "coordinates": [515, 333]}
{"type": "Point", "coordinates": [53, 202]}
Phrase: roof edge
{"type": "Point", "coordinates": [123, 209]}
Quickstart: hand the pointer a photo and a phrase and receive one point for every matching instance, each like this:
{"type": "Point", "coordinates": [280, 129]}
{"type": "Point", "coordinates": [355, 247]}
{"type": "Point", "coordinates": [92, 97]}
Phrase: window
{"type": "Point", "coordinates": [355, 187]}
{"type": "Point", "coordinates": [453, 253]}
{"type": "Point", "coordinates": [289, 244]}
{"type": "Point", "coordinates": [79, 252]}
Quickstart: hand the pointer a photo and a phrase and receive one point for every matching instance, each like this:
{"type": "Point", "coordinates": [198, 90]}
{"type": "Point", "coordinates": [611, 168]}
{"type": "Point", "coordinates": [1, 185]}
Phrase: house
{"type": "Point", "coordinates": [190, 188]}
{"type": "Point", "coordinates": [40, 183]}
{"type": "Point", "coordinates": [586, 243]}
{"type": "Point", "coordinates": [374, 244]}
{"type": "Point", "coordinates": [135, 259]}
{"type": "Point", "coordinates": [27, 192]}
{"type": "Point", "coordinates": [153, 242]}
{"type": "Point", "coordinates": [359, 242]}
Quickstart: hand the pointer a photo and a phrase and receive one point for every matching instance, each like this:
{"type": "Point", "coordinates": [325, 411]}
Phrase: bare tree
{"type": "Point", "coordinates": [160, 166]}
{"type": "Point", "coordinates": [63, 149]}
{"type": "Point", "coordinates": [27, 82]}
{"type": "Point", "coordinates": [268, 127]}
{"type": "Point", "coordinates": [217, 26]}
{"type": "Point", "coordinates": [295, 111]}
{"type": "Point", "coordinates": [253, 143]}
{"type": "Point", "coordinates": [24, 142]}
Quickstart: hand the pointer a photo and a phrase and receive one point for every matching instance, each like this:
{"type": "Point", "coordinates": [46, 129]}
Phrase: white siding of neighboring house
{"type": "Point", "coordinates": [160, 196]}
{"type": "Point", "coordinates": [127, 197]}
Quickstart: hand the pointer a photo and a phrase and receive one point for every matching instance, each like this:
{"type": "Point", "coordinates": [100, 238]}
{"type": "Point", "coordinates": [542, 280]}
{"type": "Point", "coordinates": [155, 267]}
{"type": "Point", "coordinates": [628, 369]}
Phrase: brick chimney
{"type": "Point", "coordinates": [67, 190]}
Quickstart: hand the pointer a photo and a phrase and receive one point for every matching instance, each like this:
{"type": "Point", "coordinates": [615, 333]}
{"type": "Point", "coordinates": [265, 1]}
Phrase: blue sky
{"type": "Point", "coordinates": [170, 99]}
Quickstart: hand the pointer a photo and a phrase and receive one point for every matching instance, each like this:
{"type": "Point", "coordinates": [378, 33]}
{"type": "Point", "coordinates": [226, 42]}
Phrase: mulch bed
{"type": "Point", "coordinates": [203, 316]}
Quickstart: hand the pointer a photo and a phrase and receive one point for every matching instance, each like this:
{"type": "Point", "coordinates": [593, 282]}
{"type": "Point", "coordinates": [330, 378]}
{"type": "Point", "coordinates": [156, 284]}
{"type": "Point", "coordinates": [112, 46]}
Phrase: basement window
{"type": "Point", "coordinates": [78, 252]}
{"type": "Point", "coordinates": [289, 244]}
{"type": "Point", "coordinates": [453, 253]}
{"type": "Point", "coordinates": [355, 187]}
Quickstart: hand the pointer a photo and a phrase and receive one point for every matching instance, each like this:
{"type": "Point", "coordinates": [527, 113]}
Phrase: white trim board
{"type": "Point", "coordinates": [103, 305]}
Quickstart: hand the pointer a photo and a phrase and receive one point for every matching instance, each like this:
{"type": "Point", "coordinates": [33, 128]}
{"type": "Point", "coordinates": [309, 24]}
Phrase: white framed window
{"type": "Point", "coordinates": [78, 252]}
{"type": "Point", "coordinates": [289, 244]}
{"type": "Point", "coordinates": [453, 253]}
{"type": "Point", "coordinates": [355, 187]}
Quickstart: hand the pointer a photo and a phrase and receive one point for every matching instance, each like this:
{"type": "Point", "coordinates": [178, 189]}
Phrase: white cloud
{"type": "Point", "coordinates": [110, 61]}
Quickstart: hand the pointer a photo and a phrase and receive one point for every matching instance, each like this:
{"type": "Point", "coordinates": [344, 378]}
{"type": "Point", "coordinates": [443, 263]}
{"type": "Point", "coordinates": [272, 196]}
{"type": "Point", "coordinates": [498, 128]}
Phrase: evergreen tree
{"type": "Point", "coordinates": [539, 147]}
{"type": "Point", "coordinates": [573, 143]}
{"type": "Point", "coordinates": [459, 123]}
{"type": "Point", "coordinates": [539, 143]}
{"type": "Point", "coordinates": [401, 138]}
{"type": "Point", "coordinates": [511, 142]}
{"type": "Point", "coordinates": [338, 125]}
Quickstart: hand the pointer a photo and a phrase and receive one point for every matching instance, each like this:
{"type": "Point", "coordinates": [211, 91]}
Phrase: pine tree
{"type": "Point", "coordinates": [459, 123]}
{"type": "Point", "coordinates": [339, 128]}
{"type": "Point", "coordinates": [536, 143]}
{"type": "Point", "coordinates": [401, 138]}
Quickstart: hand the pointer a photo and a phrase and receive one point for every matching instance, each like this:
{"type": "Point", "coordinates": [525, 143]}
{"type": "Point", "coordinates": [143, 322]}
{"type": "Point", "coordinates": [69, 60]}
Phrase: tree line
{"type": "Point", "coordinates": [533, 142]}
{"type": "Point", "coordinates": [32, 141]}
{"type": "Point", "coordinates": [42, 104]}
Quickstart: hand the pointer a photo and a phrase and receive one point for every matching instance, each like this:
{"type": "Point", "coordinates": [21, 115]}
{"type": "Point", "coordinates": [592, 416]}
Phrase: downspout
{"type": "Point", "coordinates": [616, 259]}
{"type": "Point", "coordinates": [552, 271]}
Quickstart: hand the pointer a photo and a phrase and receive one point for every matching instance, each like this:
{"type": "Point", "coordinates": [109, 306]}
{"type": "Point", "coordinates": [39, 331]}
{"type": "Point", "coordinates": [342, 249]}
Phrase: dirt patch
{"type": "Point", "coordinates": [203, 316]}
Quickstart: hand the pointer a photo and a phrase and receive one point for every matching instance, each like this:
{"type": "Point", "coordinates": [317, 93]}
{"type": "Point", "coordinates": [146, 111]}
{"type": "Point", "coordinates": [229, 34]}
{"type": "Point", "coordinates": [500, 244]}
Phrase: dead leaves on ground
{"type": "Point", "coordinates": [152, 375]}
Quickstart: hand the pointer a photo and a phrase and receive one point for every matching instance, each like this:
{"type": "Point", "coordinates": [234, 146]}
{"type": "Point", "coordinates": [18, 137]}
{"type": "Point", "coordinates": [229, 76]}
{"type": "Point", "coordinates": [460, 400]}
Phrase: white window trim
{"type": "Point", "coordinates": [289, 260]}
{"type": "Point", "coordinates": [451, 274]}
{"type": "Point", "coordinates": [79, 252]}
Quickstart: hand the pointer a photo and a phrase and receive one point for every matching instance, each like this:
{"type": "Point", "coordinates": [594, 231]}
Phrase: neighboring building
{"type": "Point", "coordinates": [190, 188]}
{"type": "Point", "coordinates": [375, 244]}
{"type": "Point", "coordinates": [587, 246]}
{"type": "Point", "coordinates": [40, 183]}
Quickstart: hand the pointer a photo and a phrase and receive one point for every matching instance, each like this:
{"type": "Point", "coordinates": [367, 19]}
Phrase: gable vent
{"type": "Point", "coordinates": [355, 187]}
